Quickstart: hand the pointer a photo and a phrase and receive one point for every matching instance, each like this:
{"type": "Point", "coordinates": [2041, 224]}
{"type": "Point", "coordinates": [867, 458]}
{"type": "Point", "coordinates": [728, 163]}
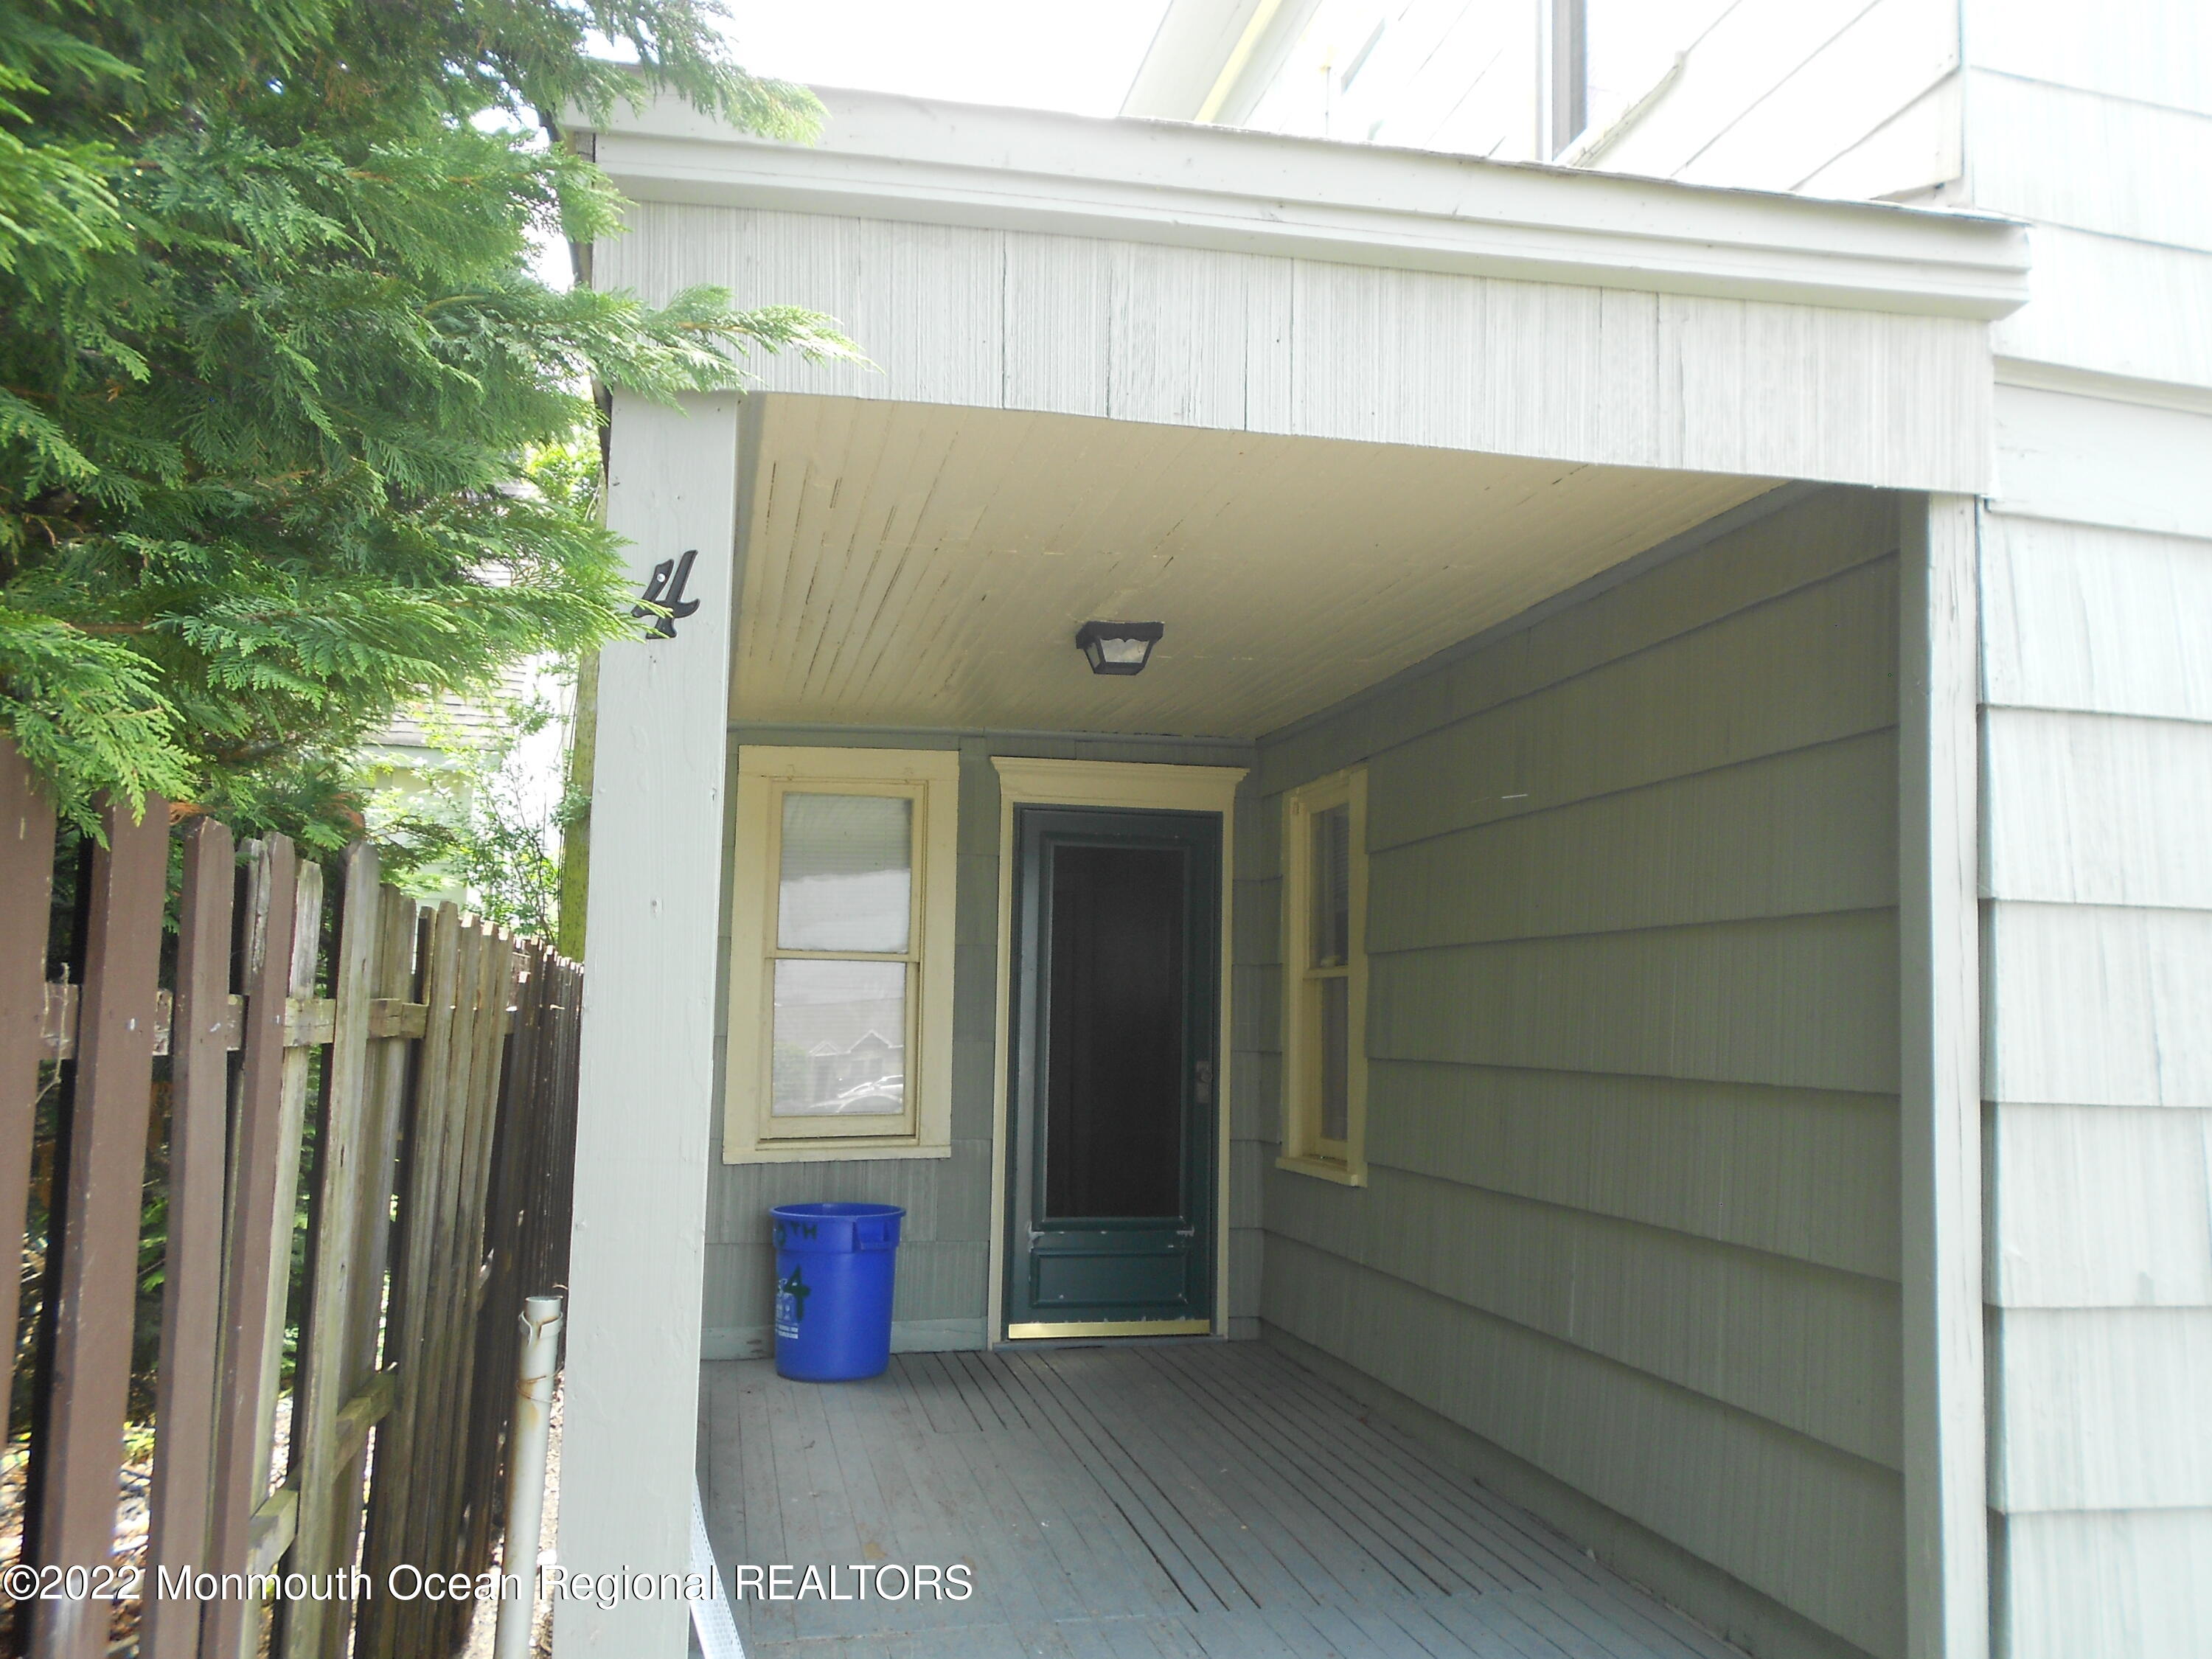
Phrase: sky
{"type": "Point", "coordinates": [1075, 55]}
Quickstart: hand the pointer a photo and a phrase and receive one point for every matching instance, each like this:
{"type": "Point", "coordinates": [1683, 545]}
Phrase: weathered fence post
{"type": "Point", "coordinates": [470, 1080]}
{"type": "Point", "coordinates": [97, 1281]}
{"type": "Point", "coordinates": [27, 879]}
{"type": "Point", "coordinates": [324, 1378]}
{"type": "Point", "coordinates": [256, 1195]}
{"type": "Point", "coordinates": [200, 1040]}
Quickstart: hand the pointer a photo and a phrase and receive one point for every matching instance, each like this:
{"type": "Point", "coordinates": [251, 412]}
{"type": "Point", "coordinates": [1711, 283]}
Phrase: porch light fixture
{"type": "Point", "coordinates": [1119, 648]}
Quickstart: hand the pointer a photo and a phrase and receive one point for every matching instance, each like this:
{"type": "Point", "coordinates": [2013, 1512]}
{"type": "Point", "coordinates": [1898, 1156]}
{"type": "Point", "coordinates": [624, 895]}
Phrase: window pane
{"type": "Point", "coordinates": [847, 875]}
{"type": "Point", "coordinates": [839, 1039]}
{"type": "Point", "coordinates": [1332, 887]}
{"type": "Point", "coordinates": [1335, 1069]}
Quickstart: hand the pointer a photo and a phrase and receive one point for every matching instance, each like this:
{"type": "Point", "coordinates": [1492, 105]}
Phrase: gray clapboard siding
{"type": "Point", "coordinates": [2097, 809]}
{"type": "Point", "coordinates": [2120, 1582]}
{"type": "Point", "coordinates": [1725, 845]}
{"type": "Point", "coordinates": [2095, 1005]}
{"type": "Point", "coordinates": [2098, 1206]}
{"type": "Point", "coordinates": [1676, 709]}
{"type": "Point", "coordinates": [2096, 619]}
{"type": "Point", "coordinates": [1814, 1528]}
{"type": "Point", "coordinates": [1804, 1173]}
{"type": "Point", "coordinates": [1805, 1001]}
{"type": "Point", "coordinates": [1807, 1348]}
{"type": "Point", "coordinates": [2101, 1408]}
{"type": "Point", "coordinates": [1745, 559]}
{"type": "Point", "coordinates": [1633, 1044]}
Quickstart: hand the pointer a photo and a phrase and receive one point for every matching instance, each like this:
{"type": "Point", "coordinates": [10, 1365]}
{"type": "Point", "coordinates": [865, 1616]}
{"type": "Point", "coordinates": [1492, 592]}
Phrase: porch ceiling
{"type": "Point", "coordinates": [926, 565]}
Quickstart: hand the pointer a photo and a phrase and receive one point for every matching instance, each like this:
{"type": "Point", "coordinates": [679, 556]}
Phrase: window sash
{"type": "Point", "coordinates": [1308, 1139]}
{"type": "Point", "coordinates": [774, 1128]}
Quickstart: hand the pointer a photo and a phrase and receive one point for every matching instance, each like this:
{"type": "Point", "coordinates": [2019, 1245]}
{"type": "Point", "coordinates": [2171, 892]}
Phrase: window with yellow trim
{"type": "Point", "coordinates": [841, 971]}
{"type": "Point", "coordinates": [1325, 977]}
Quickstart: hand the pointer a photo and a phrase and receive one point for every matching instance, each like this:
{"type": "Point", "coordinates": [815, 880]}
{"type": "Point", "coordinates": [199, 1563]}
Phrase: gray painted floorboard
{"type": "Point", "coordinates": [1197, 1501]}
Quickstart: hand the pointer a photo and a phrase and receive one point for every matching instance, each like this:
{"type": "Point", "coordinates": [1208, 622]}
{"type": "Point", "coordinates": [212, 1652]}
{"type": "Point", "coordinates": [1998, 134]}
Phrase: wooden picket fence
{"type": "Point", "coordinates": [411, 1072]}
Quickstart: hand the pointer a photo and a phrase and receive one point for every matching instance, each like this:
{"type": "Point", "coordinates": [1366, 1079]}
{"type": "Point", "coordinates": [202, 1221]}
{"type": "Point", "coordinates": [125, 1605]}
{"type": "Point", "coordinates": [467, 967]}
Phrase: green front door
{"type": "Point", "coordinates": [1115, 1033]}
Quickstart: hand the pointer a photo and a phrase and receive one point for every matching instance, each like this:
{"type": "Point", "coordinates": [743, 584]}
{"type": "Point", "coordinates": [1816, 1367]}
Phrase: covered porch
{"type": "Point", "coordinates": [1171, 1499]}
{"type": "Point", "coordinates": [1596, 550]}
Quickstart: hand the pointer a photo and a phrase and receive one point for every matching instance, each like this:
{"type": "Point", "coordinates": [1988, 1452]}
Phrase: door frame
{"type": "Point", "coordinates": [1140, 784]}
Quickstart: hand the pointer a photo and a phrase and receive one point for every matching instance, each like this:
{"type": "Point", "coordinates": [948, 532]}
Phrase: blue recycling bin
{"type": "Point", "coordinates": [834, 1266]}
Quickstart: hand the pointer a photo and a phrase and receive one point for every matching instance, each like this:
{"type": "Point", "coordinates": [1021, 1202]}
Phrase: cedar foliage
{"type": "Point", "coordinates": [275, 372]}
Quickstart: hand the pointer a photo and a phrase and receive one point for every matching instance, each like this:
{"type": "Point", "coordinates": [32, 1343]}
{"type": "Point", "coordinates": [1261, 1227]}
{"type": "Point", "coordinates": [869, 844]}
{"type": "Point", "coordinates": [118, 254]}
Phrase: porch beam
{"type": "Point", "coordinates": [1946, 1479]}
{"type": "Point", "coordinates": [646, 1069]}
{"type": "Point", "coordinates": [892, 157]}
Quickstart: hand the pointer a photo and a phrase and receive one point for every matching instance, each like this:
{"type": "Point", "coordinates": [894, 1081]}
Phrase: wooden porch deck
{"type": "Point", "coordinates": [1205, 1501]}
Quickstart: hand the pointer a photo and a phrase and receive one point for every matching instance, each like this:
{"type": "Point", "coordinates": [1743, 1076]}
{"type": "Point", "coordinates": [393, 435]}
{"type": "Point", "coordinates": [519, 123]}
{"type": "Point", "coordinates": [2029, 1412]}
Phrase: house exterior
{"type": "Point", "coordinates": [1645, 914]}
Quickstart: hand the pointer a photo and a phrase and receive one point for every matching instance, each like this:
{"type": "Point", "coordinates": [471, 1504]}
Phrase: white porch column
{"type": "Point", "coordinates": [1946, 1454]}
{"type": "Point", "coordinates": [646, 1107]}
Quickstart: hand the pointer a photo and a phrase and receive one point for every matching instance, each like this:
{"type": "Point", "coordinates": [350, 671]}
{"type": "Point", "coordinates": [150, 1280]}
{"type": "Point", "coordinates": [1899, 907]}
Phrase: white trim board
{"type": "Point", "coordinates": [645, 1072]}
{"type": "Point", "coordinates": [1146, 784]}
{"type": "Point", "coordinates": [1947, 1556]}
{"type": "Point", "coordinates": [921, 160]}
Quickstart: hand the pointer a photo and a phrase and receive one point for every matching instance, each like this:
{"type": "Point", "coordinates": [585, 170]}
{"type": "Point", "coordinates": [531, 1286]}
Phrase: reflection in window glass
{"type": "Point", "coordinates": [1335, 1079]}
{"type": "Point", "coordinates": [847, 882]}
{"type": "Point", "coordinates": [840, 1037]}
{"type": "Point", "coordinates": [1332, 887]}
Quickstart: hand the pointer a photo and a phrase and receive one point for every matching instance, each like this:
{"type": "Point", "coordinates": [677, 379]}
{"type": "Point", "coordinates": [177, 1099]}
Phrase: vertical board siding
{"type": "Point", "coordinates": [1632, 1132]}
{"type": "Point", "coordinates": [943, 1266]}
{"type": "Point", "coordinates": [1265, 342]}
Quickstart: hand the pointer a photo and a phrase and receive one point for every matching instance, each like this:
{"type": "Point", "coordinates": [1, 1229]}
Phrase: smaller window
{"type": "Point", "coordinates": [1325, 969]}
{"type": "Point", "coordinates": [840, 961]}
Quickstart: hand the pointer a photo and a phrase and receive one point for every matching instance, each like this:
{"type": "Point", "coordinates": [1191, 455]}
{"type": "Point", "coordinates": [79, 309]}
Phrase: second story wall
{"type": "Point", "coordinates": [1844, 98]}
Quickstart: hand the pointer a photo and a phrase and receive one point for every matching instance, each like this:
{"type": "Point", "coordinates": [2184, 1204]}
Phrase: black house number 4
{"type": "Point", "coordinates": [666, 591]}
